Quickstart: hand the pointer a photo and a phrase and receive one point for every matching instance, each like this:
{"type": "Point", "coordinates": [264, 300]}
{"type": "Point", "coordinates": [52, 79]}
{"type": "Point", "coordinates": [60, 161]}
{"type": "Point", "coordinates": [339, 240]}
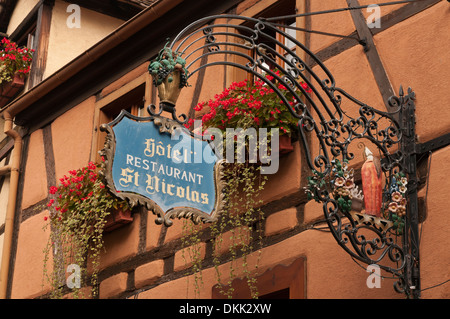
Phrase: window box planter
{"type": "Point", "coordinates": [118, 218]}
{"type": "Point", "coordinates": [10, 89]}
{"type": "Point", "coordinates": [286, 145]}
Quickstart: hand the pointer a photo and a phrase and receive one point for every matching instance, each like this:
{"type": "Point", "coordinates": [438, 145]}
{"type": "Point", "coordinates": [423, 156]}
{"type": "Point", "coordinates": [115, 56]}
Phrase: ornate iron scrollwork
{"type": "Point", "coordinates": [329, 121]}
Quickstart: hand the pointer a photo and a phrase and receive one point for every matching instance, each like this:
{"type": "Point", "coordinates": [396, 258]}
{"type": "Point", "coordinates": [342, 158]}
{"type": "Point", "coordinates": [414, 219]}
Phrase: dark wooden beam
{"type": "Point", "coordinates": [6, 10]}
{"type": "Point", "coordinates": [402, 14]}
{"type": "Point", "coordinates": [433, 145]}
{"type": "Point", "coordinates": [42, 36]}
{"type": "Point", "coordinates": [334, 49]}
{"type": "Point", "coordinates": [112, 8]}
{"type": "Point", "coordinates": [379, 73]}
{"type": "Point", "coordinates": [387, 21]}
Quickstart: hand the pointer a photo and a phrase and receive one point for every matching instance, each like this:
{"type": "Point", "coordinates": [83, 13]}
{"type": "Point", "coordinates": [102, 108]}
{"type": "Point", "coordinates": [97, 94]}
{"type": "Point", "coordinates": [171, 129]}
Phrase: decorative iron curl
{"type": "Point", "coordinates": [153, 110]}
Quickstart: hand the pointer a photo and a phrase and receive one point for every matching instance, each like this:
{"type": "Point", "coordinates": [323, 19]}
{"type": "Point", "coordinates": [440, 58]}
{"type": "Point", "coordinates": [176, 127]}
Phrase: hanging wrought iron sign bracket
{"type": "Point", "coordinates": [411, 234]}
{"type": "Point", "coordinates": [377, 224]}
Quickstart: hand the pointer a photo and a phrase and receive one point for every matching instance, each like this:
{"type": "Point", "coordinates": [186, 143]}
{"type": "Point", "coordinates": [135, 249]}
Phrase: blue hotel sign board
{"type": "Point", "coordinates": [155, 162]}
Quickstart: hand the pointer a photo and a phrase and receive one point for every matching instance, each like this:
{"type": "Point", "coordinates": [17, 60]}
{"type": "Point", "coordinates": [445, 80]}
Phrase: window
{"type": "Point", "coordinates": [33, 32]}
{"type": "Point", "coordinates": [279, 282]}
{"type": "Point", "coordinates": [27, 38]}
{"type": "Point", "coordinates": [131, 102]}
{"type": "Point", "coordinates": [278, 9]}
{"type": "Point", "coordinates": [131, 97]}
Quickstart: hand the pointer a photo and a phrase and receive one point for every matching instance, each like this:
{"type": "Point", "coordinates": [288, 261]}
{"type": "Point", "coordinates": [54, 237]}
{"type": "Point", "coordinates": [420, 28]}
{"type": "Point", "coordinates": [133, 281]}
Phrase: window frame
{"type": "Point", "coordinates": [277, 8]}
{"type": "Point", "coordinates": [280, 277]}
{"type": "Point", "coordinates": [108, 107]}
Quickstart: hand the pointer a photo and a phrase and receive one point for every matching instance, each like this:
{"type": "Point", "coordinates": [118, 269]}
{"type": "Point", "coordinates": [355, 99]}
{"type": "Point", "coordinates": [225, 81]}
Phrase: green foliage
{"type": "Point", "coordinates": [77, 217]}
{"type": "Point", "coordinates": [395, 209]}
{"type": "Point", "coordinates": [339, 183]}
{"type": "Point", "coordinates": [238, 227]}
{"type": "Point", "coordinates": [165, 63]}
{"type": "Point", "coordinates": [192, 252]}
{"type": "Point", "coordinates": [241, 219]}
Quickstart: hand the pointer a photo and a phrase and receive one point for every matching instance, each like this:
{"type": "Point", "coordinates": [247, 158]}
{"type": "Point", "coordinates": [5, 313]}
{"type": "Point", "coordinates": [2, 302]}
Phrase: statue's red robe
{"type": "Point", "coordinates": [371, 184]}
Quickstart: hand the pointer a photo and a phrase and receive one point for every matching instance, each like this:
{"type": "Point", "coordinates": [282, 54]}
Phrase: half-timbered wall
{"type": "Point", "coordinates": [144, 260]}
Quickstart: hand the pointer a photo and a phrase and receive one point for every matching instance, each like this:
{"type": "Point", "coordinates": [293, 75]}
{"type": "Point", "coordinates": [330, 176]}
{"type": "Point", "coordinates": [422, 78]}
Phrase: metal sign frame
{"type": "Point", "coordinates": [166, 126]}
